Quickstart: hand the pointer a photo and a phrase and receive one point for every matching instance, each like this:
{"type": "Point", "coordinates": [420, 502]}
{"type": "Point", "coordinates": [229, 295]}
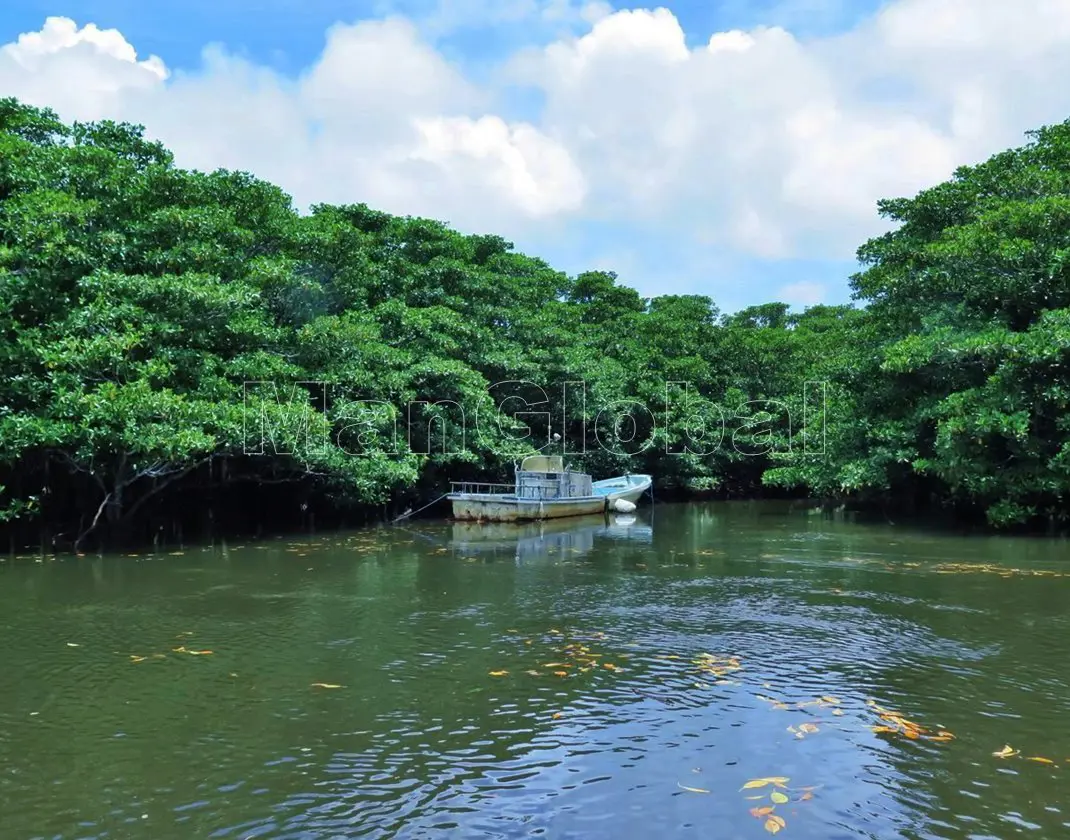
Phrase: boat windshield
{"type": "Point", "coordinates": [543, 464]}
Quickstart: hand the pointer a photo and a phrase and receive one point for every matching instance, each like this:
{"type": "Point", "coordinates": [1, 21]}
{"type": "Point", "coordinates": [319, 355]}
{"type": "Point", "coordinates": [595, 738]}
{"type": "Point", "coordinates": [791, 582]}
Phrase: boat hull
{"type": "Point", "coordinates": [494, 508]}
{"type": "Point", "coordinates": [629, 487]}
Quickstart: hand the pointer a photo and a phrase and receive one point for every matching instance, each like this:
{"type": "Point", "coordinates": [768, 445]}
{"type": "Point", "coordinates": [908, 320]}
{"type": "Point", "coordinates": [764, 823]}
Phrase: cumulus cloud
{"type": "Point", "coordinates": [755, 143]}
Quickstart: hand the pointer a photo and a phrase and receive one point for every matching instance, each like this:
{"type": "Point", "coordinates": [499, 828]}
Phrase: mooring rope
{"type": "Point", "coordinates": [409, 513]}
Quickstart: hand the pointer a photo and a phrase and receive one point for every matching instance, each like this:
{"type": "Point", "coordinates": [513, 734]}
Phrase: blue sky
{"type": "Point", "coordinates": [744, 210]}
{"type": "Point", "coordinates": [289, 34]}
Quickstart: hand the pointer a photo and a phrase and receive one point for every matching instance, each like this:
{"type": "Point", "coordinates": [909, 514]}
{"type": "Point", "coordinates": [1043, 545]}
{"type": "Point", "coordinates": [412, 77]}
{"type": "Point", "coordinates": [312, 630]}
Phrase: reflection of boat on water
{"type": "Point", "coordinates": [575, 535]}
{"type": "Point", "coordinates": [545, 489]}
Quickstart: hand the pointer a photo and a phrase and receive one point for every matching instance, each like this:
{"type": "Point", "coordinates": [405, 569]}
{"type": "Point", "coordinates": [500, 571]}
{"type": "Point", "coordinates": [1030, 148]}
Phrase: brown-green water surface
{"type": "Point", "coordinates": [581, 679]}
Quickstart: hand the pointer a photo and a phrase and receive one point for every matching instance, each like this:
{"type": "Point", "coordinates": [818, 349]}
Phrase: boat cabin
{"type": "Point", "coordinates": [544, 477]}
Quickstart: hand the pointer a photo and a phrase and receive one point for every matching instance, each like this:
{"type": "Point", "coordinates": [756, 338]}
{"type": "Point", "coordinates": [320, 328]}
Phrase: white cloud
{"type": "Point", "coordinates": [79, 71]}
{"type": "Point", "coordinates": [753, 143]}
{"type": "Point", "coordinates": [516, 160]}
{"type": "Point", "coordinates": [802, 294]}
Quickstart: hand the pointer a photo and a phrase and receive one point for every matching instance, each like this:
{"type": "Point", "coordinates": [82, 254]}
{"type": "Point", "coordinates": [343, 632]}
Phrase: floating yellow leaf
{"type": "Point", "coordinates": [498, 673]}
{"type": "Point", "coordinates": [835, 701]}
{"type": "Point", "coordinates": [560, 673]}
{"type": "Point", "coordinates": [806, 796]}
{"type": "Point", "coordinates": [609, 666]}
{"type": "Point", "coordinates": [778, 797]}
{"type": "Point", "coordinates": [809, 728]}
{"type": "Point", "coordinates": [199, 652]}
{"type": "Point", "coordinates": [774, 824]}
{"type": "Point", "coordinates": [325, 685]}
{"type": "Point", "coordinates": [1006, 752]}
{"type": "Point", "coordinates": [1040, 759]}
{"type": "Point", "coordinates": [779, 781]}
{"type": "Point", "coordinates": [558, 715]}
{"type": "Point", "coordinates": [691, 789]}
{"type": "Point", "coordinates": [765, 810]}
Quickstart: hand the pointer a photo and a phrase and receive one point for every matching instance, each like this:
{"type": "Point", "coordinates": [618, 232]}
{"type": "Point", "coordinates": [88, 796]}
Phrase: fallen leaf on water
{"type": "Point", "coordinates": [498, 673]}
{"type": "Point", "coordinates": [609, 665]}
{"type": "Point", "coordinates": [1040, 759]}
{"type": "Point", "coordinates": [774, 824]}
{"type": "Point", "coordinates": [809, 728]}
{"type": "Point", "coordinates": [884, 729]}
{"type": "Point", "coordinates": [199, 652]}
{"type": "Point", "coordinates": [691, 789]}
{"type": "Point", "coordinates": [1006, 752]}
{"type": "Point", "coordinates": [765, 810]}
{"type": "Point", "coordinates": [837, 712]}
{"type": "Point", "coordinates": [806, 796]}
{"type": "Point", "coordinates": [768, 780]}
{"type": "Point", "coordinates": [558, 715]}
{"type": "Point", "coordinates": [533, 673]}
{"type": "Point", "coordinates": [325, 685]}
{"type": "Point", "coordinates": [560, 673]}
{"type": "Point", "coordinates": [778, 797]}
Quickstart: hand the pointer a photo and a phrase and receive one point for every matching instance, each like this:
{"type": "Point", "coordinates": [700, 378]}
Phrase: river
{"type": "Point", "coordinates": [723, 670]}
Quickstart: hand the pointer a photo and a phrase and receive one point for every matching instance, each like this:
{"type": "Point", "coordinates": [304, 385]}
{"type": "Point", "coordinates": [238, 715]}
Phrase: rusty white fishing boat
{"type": "Point", "coordinates": [545, 489]}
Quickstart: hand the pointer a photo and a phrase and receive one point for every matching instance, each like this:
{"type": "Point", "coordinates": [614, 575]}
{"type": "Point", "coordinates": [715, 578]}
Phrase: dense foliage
{"type": "Point", "coordinates": [175, 340]}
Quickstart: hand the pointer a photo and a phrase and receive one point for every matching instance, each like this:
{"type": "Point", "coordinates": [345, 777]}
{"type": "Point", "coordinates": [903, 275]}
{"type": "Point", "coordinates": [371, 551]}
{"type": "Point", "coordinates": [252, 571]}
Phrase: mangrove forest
{"type": "Point", "coordinates": [187, 349]}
